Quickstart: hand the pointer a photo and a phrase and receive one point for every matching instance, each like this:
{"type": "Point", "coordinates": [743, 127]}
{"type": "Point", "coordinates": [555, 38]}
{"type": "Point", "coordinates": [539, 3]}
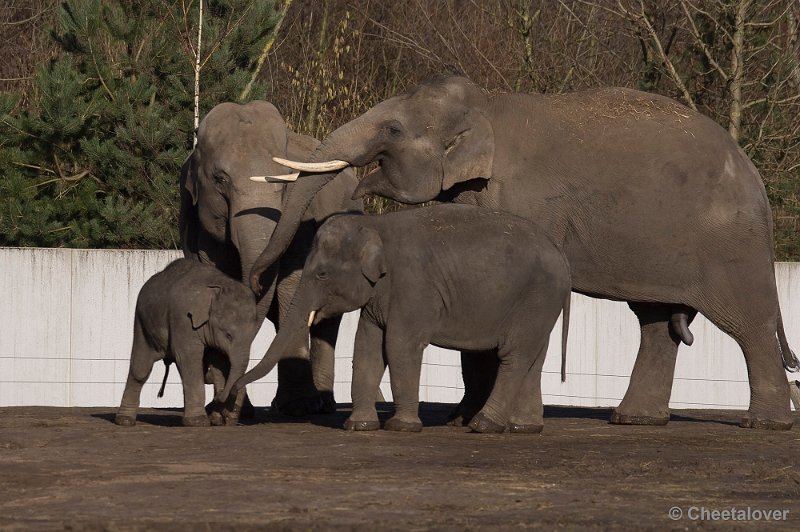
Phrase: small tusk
{"type": "Point", "coordinates": [274, 178]}
{"type": "Point", "coordinates": [327, 166]}
{"type": "Point", "coordinates": [311, 316]}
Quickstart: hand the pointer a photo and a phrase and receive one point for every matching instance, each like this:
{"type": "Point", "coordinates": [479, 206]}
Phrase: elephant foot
{"type": "Point", "coordinates": [398, 425]}
{"type": "Point", "coordinates": [462, 415]}
{"type": "Point", "coordinates": [765, 424]}
{"type": "Point", "coordinates": [303, 406]}
{"type": "Point", "coordinates": [457, 421]}
{"type": "Point", "coordinates": [618, 418]}
{"type": "Point", "coordinates": [196, 421]}
{"type": "Point", "coordinates": [216, 418]}
{"type": "Point", "coordinates": [125, 421]}
{"type": "Point", "coordinates": [230, 418]}
{"type": "Point", "coordinates": [483, 424]}
{"type": "Point", "coordinates": [248, 410]}
{"type": "Point", "coordinates": [525, 428]}
{"type": "Point", "coordinates": [328, 403]}
{"type": "Point", "coordinates": [352, 424]}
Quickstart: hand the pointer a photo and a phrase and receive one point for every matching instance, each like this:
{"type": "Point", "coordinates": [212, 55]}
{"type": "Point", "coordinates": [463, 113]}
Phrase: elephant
{"type": "Point", "coordinates": [189, 313]}
{"type": "Point", "coordinates": [653, 204]}
{"type": "Point", "coordinates": [419, 277]}
{"type": "Point", "coordinates": [226, 220]}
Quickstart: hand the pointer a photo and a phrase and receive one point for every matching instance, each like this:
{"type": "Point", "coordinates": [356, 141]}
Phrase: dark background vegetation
{"type": "Point", "coordinates": [737, 61]}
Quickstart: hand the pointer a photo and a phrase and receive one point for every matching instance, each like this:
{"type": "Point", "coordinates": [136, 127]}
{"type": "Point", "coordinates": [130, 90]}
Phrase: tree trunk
{"type": "Point", "coordinates": [737, 69]}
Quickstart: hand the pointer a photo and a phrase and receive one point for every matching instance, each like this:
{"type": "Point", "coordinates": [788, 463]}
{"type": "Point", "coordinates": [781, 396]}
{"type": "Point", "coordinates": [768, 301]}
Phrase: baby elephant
{"type": "Point", "coordinates": [192, 314]}
{"type": "Point", "coordinates": [455, 276]}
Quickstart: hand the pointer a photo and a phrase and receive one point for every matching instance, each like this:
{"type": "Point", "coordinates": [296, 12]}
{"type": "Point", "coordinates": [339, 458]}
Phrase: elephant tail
{"type": "Point", "coordinates": [790, 362]}
{"type": "Point", "coordinates": [564, 335]}
{"type": "Point", "coordinates": [164, 382]}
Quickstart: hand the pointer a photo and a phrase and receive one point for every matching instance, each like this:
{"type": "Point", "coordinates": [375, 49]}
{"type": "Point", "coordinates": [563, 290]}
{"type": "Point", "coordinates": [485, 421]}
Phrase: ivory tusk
{"type": "Point", "coordinates": [311, 316]}
{"type": "Point", "coordinates": [274, 178]}
{"type": "Point", "coordinates": [327, 166]}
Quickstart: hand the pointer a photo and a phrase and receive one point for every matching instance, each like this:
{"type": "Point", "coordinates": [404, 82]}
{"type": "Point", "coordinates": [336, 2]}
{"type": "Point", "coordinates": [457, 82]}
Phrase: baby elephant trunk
{"type": "Point", "coordinates": [238, 368]}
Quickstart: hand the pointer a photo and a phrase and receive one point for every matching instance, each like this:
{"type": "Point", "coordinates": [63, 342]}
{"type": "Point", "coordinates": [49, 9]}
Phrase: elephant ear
{"type": "Point", "coordinates": [188, 221]}
{"type": "Point", "coordinates": [373, 263]}
{"type": "Point", "coordinates": [201, 308]}
{"type": "Point", "coordinates": [470, 153]}
{"type": "Point", "coordinates": [189, 178]}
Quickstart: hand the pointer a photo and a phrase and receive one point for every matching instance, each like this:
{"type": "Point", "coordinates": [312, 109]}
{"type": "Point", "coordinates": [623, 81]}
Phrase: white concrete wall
{"type": "Point", "coordinates": [66, 328]}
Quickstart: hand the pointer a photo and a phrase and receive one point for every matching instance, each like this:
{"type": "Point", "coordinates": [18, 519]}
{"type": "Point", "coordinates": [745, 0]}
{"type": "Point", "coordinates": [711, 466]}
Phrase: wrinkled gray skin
{"type": "Point", "coordinates": [202, 320]}
{"type": "Point", "coordinates": [652, 203]}
{"type": "Point", "coordinates": [226, 220]}
{"type": "Point", "coordinates": [419, 277]}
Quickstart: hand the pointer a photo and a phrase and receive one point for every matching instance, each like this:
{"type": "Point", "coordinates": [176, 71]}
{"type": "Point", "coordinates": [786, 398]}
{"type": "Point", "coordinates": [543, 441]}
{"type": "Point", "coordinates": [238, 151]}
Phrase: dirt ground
{"type": "Point", "coordinates": [72, 468]}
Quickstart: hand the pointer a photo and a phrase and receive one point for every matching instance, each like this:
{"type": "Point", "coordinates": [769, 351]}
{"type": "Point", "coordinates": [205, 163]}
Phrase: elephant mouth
{"type": "Point", "coordinates": [377, 168]}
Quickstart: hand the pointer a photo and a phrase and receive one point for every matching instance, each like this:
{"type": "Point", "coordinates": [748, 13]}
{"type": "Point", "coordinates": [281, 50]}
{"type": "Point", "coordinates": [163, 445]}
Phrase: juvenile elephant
{"type": "Point", "coordinates": [192, 314]}
{"type": "Point", "coordinates": [226, 220]}
{"type": "Point", "coordinates": [652, 203]}
{"type": "Point", "coordinates": [456, 276]}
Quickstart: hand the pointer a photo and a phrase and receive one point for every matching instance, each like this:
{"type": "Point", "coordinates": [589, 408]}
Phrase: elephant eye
{"type": "Point", "coordinates": [322, 275]}
{"type": "Point", "coordinates": [394, 128]}
{"type": "Point", "coordinates": [220, 179]}
{"type": "Point", "coordinates": [229, 336]}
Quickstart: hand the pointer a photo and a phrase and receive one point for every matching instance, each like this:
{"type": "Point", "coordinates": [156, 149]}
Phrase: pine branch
{"type": "Point", "coordinates": [265, 51]}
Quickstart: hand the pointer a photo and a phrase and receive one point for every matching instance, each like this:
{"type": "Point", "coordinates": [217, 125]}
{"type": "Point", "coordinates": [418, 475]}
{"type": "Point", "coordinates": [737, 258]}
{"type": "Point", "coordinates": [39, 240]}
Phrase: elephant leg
{"type": "Point", "coordinates": [192, 379]}
{"type": "Point", "coordinates": [528, 413]}
{"type": "Point", "coordinates": [218, 369]}
{"type": "Point", "coordinates": [235, 408]}
{"type": "Point", "coordinates": [215, 375]}
{"type": "Point", "coordinates": [368, 368]}
{"type": "Point", "coordinates": [754, 329]}
{"type": "Point", "coordinates": [647, 400]}
{"type": "Point", "coordinates": [404, 358]}
{"type": "Point", "coordinates": [515, 363]}
{"type": "Point", "coordinates": [479, 371]}
{"type": "Point", "coordinates": [323, 360]}
{"type": "Point", "coordinates": [142, 358]}
{"type": "Point", "coordinates": [296, 394]}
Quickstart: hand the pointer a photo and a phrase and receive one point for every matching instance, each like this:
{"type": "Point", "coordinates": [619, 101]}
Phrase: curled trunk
{"type": "Point", "coordinates": [351, 144]}
{"type": "Point", "coordinates": [298, 199]}
{"type": "Point", "coordinates": [291, 341]}
{"type": "Point", "coordinates": [238, 361]}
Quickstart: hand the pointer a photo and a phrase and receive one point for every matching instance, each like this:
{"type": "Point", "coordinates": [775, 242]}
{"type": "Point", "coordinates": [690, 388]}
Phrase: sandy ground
{"type": "Point", "coordinates": [72, 468]}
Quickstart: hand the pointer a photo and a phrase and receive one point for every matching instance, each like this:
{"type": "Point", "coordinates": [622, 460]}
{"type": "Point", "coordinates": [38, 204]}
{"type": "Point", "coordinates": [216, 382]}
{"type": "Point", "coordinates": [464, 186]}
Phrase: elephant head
{"type": "Point", "coordinates": [425, 142]}
{"type": "Point", "coordinates": [345, 263]}
{"type": "Point", "coordinates": [225, 315]}
{"type": "Point", "coordinates": [220, 206]}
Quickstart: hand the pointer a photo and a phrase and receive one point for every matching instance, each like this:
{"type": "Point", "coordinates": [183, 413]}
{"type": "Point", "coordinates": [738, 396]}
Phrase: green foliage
{"type": "Point", "coordinates": [94, 161]}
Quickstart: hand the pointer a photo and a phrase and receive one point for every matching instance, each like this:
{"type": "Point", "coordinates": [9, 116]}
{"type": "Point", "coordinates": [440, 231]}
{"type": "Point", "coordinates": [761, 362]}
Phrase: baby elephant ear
{"type": "Point", "coordinates": [373, 263]}
{"type": "Point", "coordinates": [201, 307]}
{"type": "Point", "coordinates": [470, 153]}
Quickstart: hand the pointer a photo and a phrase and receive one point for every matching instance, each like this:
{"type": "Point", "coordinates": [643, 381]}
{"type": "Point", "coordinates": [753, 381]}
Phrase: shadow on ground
{"type": "Point", "coordinates": [431, 414]}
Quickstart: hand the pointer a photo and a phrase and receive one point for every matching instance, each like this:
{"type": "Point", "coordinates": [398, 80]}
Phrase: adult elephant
{"type": "Point", "coordinates": [653, 204]}
{"type": "Point", "coordinates": [226, 220]}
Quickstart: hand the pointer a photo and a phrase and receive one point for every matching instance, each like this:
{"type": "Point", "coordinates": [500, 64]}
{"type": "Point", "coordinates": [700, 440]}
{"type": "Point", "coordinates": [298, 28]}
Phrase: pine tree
{"type": "Point", "coordinates": [95, 162]}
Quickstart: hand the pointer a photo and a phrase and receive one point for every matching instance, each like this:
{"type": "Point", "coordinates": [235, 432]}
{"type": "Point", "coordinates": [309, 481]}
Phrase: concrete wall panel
{"type": "Point", "coordinates": [66, 333]}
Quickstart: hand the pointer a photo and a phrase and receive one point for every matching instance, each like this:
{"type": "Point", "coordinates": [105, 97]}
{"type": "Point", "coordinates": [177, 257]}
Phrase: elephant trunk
{"type": "Point", "coordinates": [290, 341]}
{"type": "Point", "coordinates": [298, 198]}
{"type": "Point", "coordinates": [350, 143]}
{"type": "Point", "coordinates": [250, 234]}
{"type": "Point", "coordinates": [238, 359]}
